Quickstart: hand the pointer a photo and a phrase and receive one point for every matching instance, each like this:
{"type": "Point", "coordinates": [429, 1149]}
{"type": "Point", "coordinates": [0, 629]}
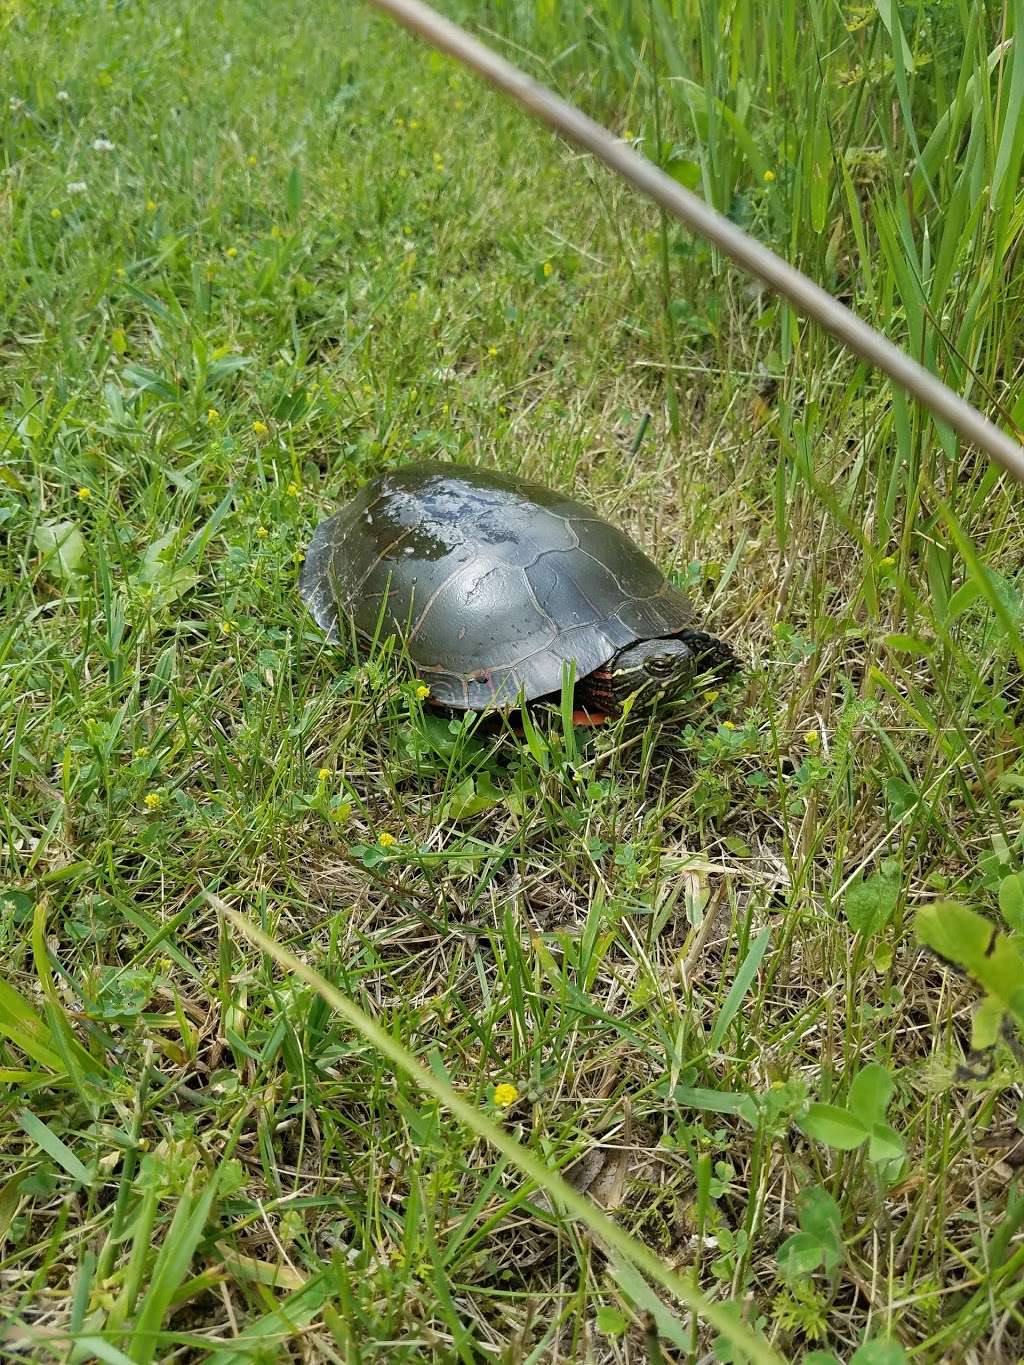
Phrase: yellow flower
{"type": "Point", "coordinates": [151, 206]}
{"type": "Point", "coordinates": [227, 626]}
{"type": "Point", "coordinates": [232, 252]}
{"type": "Point", "coordinates": [262, 533]}
{"type": "Point", "coordinates": [323, 774]}
{"type": "Point", "coordinates": [212, 416]}
{"type": "Point", "coordinates": [153, 801]}
{"type": "Point", "coordinates": [84, 494]}
{"type": "Point", "coordinates": [120, 272]}
{"type": "Point", "coordinates": [422, 692]}
{"type": "Point", "coordinates": [260, 428]}
{"type": "Point", "coordinates": [293, 489]}
{"type": "Point", "coordinates": [386, 840]}
{"type": "Point", "coordinates": [438, 164]}
{"type": "Point", "coordinates": [768, 177]}
{"type": "Point", "coordinates": [812, 737]}
{"type": "Point", "coordinates": [492, 350]}
{"type": "Point", "coordinates": [56, 213]}
{"type": "Point", "coordinates": [505, 1095]}
{"type": "Point", "coordinates": [142, 752]}
{"type": "Point", "coordinates": [711, 696]}
{"type": "Point", "coordinates": [728, 725]}
{"type": "Point", "coordinates": [252, 160]}
{"type": "Point", "coordinates": [276, 233]}
{"type": "Point", "coordinates": [549, 269]}
{"type": "Point", "coordinates": [414, 123]}
{"type": "Point", "coordinates": [889, 562]}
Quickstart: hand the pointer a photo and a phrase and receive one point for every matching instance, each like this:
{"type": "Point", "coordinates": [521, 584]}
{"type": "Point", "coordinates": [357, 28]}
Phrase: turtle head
{"type": "Point", "coordinates": [652, 669]}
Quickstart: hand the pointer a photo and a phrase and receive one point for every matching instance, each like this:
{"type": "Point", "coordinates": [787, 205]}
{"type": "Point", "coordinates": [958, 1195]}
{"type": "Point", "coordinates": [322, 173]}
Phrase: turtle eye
{"type": "Point", "coordinates": [660, 664]}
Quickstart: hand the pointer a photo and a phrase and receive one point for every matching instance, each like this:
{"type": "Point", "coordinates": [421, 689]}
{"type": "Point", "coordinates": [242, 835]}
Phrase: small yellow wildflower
{"type": "Point", "coordinates": [812, 737]}
{"type": "Point", "coordinates": [728, 725]}
{"type": "Point", "coordinates": [422, 692]}
{"type": "Point", "coordinates": [212, 416]}
{"type": "Point", "coordinates": [231, 252]}
{"type": "Point", "coordinates": [260, 428]}
{"type": "Point", "coordinates": [142, 752]}
{"type": "Point", "coordinates": [438, 164]}
{"type": "Point", "coordinates": [492, 351]}
{"type": "Point", "coordinates": [712, 695]}
{"type": "Point", "coordinates": [120, 272]}
{"type": "Point", "coordinates": [549, 269]}
{"type": "Point", "coordinates": [505, 1095]}
{"type": "Point", "coordinates": [252, 160]}
{"type": "Point", "coordinates": [323, 774]}
{"type": "Point", "coordinates": [768, 177]}
{"type": "Point", "coordinates": [84, 494]}
{"type": "Point", "coordinates": [889, 562]}
{"type": "Point", "coordinates": [414, 123]}
{"type": "Point", "coordinates": [56, 213]}
{"type": "Point", "coordinates": [386, 840]}
{"type": "Point", "coordinates": [262, 533]}
{"type": "Point", "coordinates": [227, 626]}
{"type": "Point", "coordinates": [153, 801]}
{"type": "Point", "coordinates": [151, 206]}
{"type": "Point", "coordinates": [293, 489]}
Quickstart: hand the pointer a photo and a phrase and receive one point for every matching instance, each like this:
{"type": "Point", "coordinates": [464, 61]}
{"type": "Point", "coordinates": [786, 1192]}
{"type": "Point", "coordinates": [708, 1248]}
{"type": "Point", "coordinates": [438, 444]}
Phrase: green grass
{"type": "Point", "coordinates": [250, 255]}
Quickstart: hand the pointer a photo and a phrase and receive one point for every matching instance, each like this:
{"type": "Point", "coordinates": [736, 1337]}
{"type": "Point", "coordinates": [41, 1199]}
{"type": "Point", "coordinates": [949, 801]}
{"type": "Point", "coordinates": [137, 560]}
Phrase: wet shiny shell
{"type": "Point", "coordinates": [493, 583]}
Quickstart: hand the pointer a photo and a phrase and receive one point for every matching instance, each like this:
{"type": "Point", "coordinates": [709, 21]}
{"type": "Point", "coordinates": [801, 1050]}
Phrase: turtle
{"type": "Point", "coordinates": [495, 584]}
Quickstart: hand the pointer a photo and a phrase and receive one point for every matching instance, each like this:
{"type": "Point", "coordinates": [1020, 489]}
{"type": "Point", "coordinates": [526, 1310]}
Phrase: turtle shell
{"type": "Point", "coordinates": [493, 583]}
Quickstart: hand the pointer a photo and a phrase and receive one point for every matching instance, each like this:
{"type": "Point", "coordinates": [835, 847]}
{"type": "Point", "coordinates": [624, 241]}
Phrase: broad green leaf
{"type": "Point", "coordinates": [834, 1126]}
{"type": "Point", "coordinates": [265, 1337]}
{"type": "Point", "coordinates": [799, 1255]}
{"type": "Point", "coordinates": [717, 1101]}
{"type": "Point", "coordinates": [472, 796]}
{"type": "Point", "coordinates": [986, 1023]}
{"type": "Point", "coordinates": [611, 1321]}
{"type": "Point", "coordinates": [687, 173]}
{"type": "Point", "coordinates": [25, 1027]}
{"type": "Point", "coordinates": [10, 1198]}
{"type": "Point", "coordinates": [293, 193]}
{"type": "Point", "coordinates": [885, 1144]}
{"type": "Point", "coordinates": [63, 548]}
{"type": "Point", "coordinates": [818, 1213]}
{"type": "Point", "coordinates": [870, 903]}
{"type": "Point", "coordinates": [162, 571]}
{"type": "Point", "coordinates": [879, 1353]}
{"type": "Point", "coordinates": [870, 1093]}
{"type": "Point", "coordinates": [1011, 900]}
{"type": "Point", "coordinates": [44, 1137]}
{"type": "Point", "coordinates": [962, 936]}
{"type": "Point", "coordinates": [740, 986]}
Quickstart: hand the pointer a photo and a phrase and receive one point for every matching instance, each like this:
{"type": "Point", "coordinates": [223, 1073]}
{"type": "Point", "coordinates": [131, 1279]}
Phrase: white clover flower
{"type": "Point", "coordinates": [62, 97]}
{"type": "Point", "coordinates": [77, 187]}
{"type": "Point", "coordinates": [102, 144]}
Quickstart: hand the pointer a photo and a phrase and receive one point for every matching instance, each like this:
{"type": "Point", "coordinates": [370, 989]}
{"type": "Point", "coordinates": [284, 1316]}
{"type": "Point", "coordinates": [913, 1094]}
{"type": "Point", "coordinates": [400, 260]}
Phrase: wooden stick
{"type": "Point", "coordinates": [807, 297]}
